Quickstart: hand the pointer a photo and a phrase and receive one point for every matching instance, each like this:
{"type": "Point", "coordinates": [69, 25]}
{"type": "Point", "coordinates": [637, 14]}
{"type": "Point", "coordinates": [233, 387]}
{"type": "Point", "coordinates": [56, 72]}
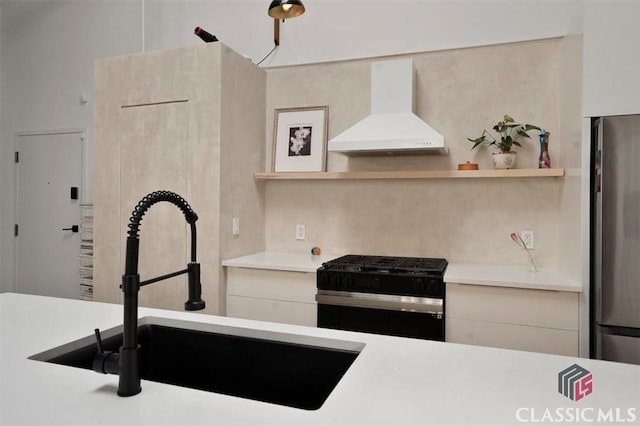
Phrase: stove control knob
{"type": "Point", "coordinates": [333, 282]}
{"type": "Point", "coordinates": [327, 280]}
{"type": "Point", "coordinates": [434, 290]}
{"type": "Point", "coordinates": [347, 282]}
{"type": "Point", "coordinates": [342, 281]}
{"type": "Point", "coordinates": [375, 284]}
{"type": "Point", "coordinates": [418, 285]}
{"type": "Point", "coordinates": [338, 284]}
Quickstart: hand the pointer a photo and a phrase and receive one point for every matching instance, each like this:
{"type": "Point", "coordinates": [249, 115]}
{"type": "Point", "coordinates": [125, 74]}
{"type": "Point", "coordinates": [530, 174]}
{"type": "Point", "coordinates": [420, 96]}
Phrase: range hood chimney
{"type": "Point", "coordinates": [392, 128]}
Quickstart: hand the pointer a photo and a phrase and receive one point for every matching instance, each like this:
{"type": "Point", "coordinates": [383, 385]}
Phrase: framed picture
{"type": "Point", "coordinates": [300, 139]}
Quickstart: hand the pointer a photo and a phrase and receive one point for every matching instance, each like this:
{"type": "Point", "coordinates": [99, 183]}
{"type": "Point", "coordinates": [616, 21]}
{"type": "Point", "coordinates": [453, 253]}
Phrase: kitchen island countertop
{"type": "Point", "coordinates": [394, 381]}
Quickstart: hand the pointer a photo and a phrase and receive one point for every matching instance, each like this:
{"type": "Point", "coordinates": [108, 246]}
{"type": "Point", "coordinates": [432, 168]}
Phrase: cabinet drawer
{"type": "Point", "coordinates": [510, 336]}
{"type": "Point", "coordinates": [537, 308]}
{"type": "Point", "coordinates": [272, 310]}
{"type": "Point", "coordinates": [270, 284]}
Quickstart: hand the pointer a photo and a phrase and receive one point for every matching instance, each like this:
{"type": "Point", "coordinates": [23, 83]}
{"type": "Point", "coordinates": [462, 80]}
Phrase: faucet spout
{"type": "Point", "coordinates": [127, 361]}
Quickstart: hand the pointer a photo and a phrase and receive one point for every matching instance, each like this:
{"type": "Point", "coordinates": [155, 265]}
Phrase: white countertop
{"type": "Point", "coordinates": [463, 273]}
{"type": "Point", "coordinates": [297, 262]}
{"type": "Point", "coordinates": [510, 276]}
{"type": "Point", "coordinates": [394, 381]}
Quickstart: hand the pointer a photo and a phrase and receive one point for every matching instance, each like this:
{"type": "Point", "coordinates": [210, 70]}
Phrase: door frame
{"type": "Point", "coordinates": [84, 177]}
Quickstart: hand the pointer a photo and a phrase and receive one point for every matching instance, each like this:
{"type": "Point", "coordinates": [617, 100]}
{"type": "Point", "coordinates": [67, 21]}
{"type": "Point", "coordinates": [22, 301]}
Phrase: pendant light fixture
{"type": "Point", "coordinates": [283, 9]}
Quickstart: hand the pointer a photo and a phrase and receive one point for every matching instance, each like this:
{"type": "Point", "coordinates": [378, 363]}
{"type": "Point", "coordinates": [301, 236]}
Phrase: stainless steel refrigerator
{"type": "Point", "coordinates": [615, 250]}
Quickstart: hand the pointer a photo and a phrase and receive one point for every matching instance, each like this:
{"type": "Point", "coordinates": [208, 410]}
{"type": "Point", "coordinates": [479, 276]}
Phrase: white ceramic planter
{"type": "Point", "coordinates": [505, 160]}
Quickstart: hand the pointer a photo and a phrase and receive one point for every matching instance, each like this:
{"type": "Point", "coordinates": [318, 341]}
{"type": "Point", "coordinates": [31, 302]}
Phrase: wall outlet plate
{"type": "Point", "coordinates": [528, 238]}
{"type": "Point", "coordinates": [301, 231]}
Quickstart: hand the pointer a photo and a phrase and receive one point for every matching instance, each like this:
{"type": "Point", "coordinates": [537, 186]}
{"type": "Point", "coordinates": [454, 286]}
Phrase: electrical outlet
{"type": "Point", "coordinates": [528, 238]}
{"type": "Point", "coordinates": [236, 226]}
{"type": "Point", "coordinates": [301, 231]}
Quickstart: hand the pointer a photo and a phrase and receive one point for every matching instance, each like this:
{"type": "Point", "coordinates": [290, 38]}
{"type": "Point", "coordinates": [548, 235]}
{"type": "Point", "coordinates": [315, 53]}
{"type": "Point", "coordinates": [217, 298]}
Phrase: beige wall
{"type": "Point", "coordinates": [458, 92]}
{"type": "Point", "coordinates": [242, 114]}
{"type": "Point", "coordinates": [573, 215]}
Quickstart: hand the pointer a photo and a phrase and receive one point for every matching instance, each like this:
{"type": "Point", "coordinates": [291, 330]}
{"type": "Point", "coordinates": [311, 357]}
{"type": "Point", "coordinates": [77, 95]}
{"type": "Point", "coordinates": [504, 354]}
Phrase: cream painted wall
{"type": "Point", "coordinates": [572, 216]}
{"type": "Point", "coordinates": [459, 92]}
{"type": "Point", "coordinates": [573, 253]}
{"type": "Point", "coordinates": [47, 49]}
{"type": "Point", "coordinates": [461, 220]}
{"type": "Point", "coordinates": [611, 60]}
{"type": "Point", "coordinates": [333, 30]}
{"type": "Point", "coordinates": [243, 100]}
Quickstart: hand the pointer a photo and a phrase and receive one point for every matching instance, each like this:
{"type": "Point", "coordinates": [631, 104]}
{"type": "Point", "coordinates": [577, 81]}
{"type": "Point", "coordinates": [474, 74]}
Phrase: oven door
{"type": "Point", "coordinates": [404, 316]}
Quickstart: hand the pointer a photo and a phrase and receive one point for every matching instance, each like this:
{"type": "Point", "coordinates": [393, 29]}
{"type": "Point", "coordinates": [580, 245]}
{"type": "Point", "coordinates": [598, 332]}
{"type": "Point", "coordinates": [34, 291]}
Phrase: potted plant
{"type": "Point", "coordinates": [510, 134]}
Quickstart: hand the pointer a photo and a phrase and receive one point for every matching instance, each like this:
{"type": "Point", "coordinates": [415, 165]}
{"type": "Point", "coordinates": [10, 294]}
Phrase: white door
{"type": "Point", "coordinates": [48, 166]}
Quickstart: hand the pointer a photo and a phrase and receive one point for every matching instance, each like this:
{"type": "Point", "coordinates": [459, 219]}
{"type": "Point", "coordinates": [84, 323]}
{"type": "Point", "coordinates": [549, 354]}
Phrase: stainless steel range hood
{"type": "Point", "coordinates": [392, 128]}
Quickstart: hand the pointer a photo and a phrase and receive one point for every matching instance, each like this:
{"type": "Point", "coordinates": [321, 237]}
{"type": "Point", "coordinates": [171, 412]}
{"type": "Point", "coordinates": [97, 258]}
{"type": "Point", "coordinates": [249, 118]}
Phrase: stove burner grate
{"type": "Point", "coordinates": [386, 264]}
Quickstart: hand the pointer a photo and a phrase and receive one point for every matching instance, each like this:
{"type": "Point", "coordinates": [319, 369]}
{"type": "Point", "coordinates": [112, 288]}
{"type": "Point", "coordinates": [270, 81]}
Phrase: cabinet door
{"type": "Point", "coordinates": [512, 336]}
{"type": "Point", "coordinates": [538, 308]}
{"type": "Point", "coordinates": [154, 148]}
{"type": "Point", "coordinates": [157, 127]}
{"type": "Point", "coordinates": [168, 120]}
{"type": "Point", "coordinates": [272, 284]}
{"type": "Point", "coordinates": [272, 310]}
{"type": "Point", "coordinates": [512, 318]}
{"type": "Point", "coordinates": [269, 295]}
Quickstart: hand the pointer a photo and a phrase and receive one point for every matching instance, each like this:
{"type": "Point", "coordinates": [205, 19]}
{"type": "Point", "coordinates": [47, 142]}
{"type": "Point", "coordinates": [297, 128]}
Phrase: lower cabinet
{"type": "Point", "coordinates": [270, 295]}
{"type": "Point", "coordinates": [512, 318]}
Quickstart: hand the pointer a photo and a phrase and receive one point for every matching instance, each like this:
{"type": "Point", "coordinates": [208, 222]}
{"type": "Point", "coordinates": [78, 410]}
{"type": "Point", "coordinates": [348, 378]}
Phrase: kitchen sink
{"type": "Point", "coordinates": [293, 370]}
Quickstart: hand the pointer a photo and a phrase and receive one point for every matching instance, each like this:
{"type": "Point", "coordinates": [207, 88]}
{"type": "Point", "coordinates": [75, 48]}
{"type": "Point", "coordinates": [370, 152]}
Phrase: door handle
{"type": "Point", "coordinates": [74, 228]}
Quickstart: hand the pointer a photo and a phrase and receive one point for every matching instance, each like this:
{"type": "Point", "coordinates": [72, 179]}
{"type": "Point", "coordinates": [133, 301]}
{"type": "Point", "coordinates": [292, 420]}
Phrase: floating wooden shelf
{"type": "Point", "coordinates": [413, 174]}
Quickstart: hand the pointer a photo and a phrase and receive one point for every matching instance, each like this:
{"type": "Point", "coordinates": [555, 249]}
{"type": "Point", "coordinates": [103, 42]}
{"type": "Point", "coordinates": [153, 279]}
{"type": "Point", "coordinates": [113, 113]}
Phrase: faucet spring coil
{"type": "Point", "coordinates": [153, 198]}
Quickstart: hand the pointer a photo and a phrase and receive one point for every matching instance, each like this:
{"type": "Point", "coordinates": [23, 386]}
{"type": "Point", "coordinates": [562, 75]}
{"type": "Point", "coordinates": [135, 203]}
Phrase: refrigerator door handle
{"type": "Point", "coordinates": [620, 344]}
{"type": "Point", "coordinates": [597, 194]}
{"type": "Point", "coordinates": [616, 330]}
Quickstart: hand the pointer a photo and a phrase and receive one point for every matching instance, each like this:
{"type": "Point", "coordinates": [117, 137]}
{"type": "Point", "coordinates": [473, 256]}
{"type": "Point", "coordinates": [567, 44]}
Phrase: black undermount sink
{"type": "Point", "coordinates": [279, 368]}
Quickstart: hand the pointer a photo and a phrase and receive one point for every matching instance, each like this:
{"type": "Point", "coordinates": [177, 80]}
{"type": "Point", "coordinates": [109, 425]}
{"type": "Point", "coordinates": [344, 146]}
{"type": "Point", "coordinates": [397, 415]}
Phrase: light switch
{"type": "Point", "coordinates": [236, 226]}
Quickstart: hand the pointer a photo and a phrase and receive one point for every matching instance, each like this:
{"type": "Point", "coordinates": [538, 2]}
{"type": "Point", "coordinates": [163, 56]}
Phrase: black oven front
{"type": "Point", "coordinates": [382, 314]}
{"type": "Point", "coordinates": [383, 295]}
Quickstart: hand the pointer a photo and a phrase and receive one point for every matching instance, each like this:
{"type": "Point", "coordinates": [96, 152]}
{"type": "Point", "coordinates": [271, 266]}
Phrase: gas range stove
{"type": "Point", "coordinates": [387, 264]}
{"type": "Point", "coordinates": [398, 296]}
{"type": "Point", "coordinates": [411, 276]}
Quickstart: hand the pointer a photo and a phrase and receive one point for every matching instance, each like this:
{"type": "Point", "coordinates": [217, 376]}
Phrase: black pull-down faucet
{"type": "Point", "coordinates": [126, 363]}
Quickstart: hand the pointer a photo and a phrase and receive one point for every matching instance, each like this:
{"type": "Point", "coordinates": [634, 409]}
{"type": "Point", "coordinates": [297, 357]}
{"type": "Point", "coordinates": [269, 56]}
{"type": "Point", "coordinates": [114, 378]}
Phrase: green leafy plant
{"type": "Point", "coordinates": [509, 133]}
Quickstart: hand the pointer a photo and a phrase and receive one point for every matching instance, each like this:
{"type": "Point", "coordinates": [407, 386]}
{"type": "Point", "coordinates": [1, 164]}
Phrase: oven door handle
{"type": "Point", "coordinates": [388, 302]}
